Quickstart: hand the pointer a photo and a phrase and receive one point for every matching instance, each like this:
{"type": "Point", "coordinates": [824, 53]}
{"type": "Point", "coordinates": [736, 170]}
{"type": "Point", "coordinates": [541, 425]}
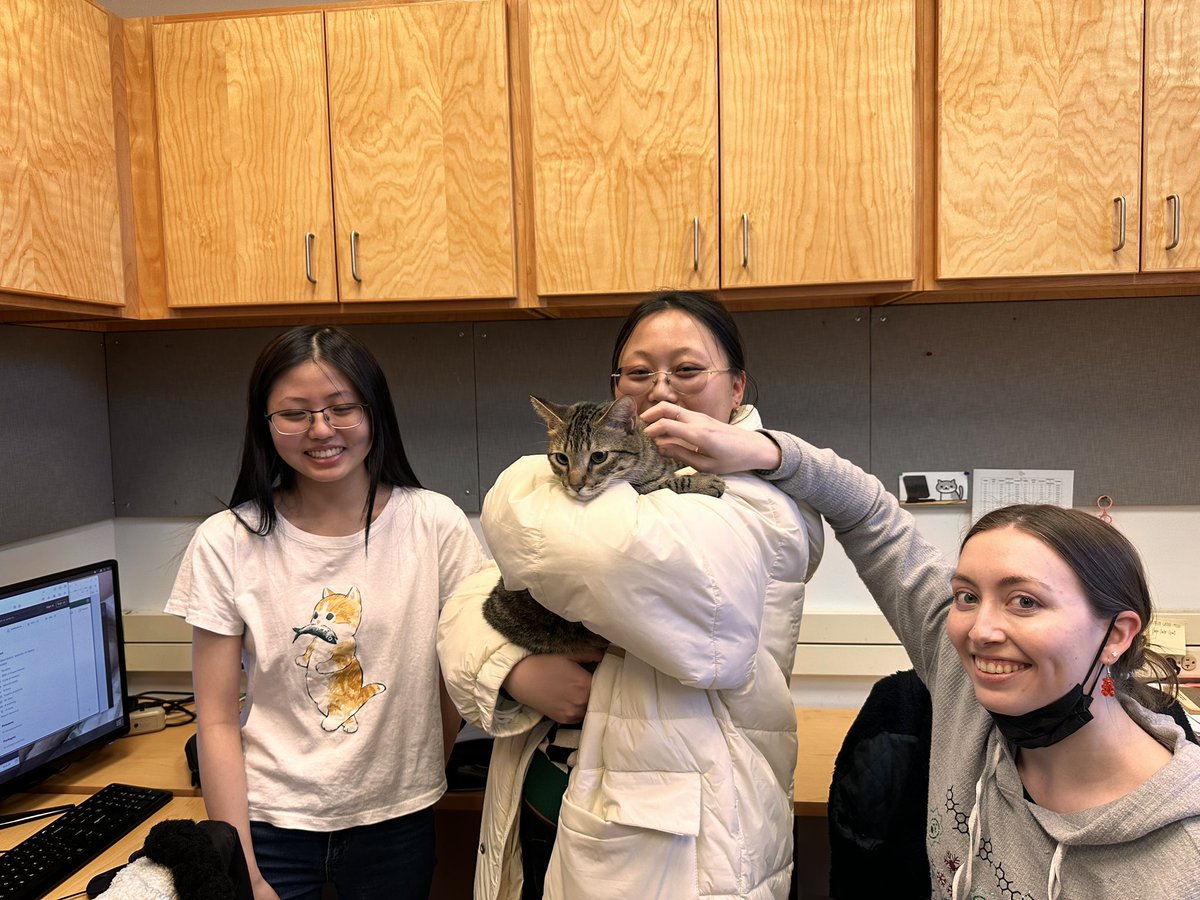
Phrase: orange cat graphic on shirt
{"type": "Point", "coordinates": [335, 676]}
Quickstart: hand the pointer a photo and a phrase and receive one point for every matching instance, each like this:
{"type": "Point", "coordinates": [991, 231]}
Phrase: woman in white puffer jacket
{"type": "Point", "coordinates": [682, 783]}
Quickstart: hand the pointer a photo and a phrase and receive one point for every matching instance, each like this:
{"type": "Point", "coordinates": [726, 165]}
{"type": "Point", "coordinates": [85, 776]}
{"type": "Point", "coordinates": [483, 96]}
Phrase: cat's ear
{"type": "Point", "coordinates": [554, 414]}
{"type": "Point", "coordinates": [620, 414]}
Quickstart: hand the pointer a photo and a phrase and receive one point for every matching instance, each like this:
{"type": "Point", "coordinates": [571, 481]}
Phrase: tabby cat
{"type": "Point", "coordinates": [590, 446]}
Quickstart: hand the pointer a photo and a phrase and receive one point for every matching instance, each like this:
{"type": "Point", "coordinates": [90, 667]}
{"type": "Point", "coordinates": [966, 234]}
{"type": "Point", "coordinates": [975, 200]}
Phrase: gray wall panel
{"type": "Point", "coordinates": [1104, 387]}
{"type": "Point", "coordinates": [1107, 388]}
{"type": "Point", "coordinates": [55, 437]}
{"type": "Point", "coordinates": [431, 371]}
{"type": "Point", "coordinates": [562, 360]}
{"type": "Point", "coordinates": [177, 405]}
{"type": "Point", "coordinates": [813, 372]}
{"type": "Point", "coordinates": [178, 411]}
{"type": "Point", "coordinates": [811, 367]}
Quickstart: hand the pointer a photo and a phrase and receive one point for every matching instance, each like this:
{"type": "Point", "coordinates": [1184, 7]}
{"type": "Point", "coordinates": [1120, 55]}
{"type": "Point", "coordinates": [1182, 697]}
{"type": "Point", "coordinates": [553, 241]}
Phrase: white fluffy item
{"type": "Point", "coordinates": [142, 879]}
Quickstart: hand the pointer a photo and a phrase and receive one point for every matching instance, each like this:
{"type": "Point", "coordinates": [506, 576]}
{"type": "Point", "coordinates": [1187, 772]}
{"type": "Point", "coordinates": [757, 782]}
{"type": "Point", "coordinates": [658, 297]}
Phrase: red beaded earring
{"type": "Point", "coordinates": [1106, 684]}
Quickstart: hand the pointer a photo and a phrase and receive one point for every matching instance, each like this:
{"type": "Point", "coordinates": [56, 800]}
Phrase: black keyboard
{"type": "Point", "coordinates": [60, 849]}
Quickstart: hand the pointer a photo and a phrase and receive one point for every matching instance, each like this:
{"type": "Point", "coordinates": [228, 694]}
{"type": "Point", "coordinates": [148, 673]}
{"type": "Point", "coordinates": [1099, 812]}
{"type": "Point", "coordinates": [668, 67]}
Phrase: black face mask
{"type": "Point", "coordinates": [1058, 719]}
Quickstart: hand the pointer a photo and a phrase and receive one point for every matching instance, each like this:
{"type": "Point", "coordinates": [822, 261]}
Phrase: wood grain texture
{"type": "Point", "coordinates": [1039, 130]}
{"type": "Point", "coordinates": [421, 148]}
{"type": "Point", "coordinates": [1172, 134]}
{"type": "Point", "coordinates": [624, 124]}
{"type": "Point", "coordinates": [817, 140]}
{"type": "Point", "coordinates": [244, 159]}
{"type": "Point", "coordinates": [137, 153]}
{"type": "Point", "coordinates": [60, 223]}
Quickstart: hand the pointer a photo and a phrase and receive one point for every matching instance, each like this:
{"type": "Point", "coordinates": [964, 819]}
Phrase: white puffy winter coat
{"type": "Point", "coordinates": [683, 786]}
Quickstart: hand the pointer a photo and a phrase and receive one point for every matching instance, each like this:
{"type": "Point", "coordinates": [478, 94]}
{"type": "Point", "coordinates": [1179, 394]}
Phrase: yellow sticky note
{"type": "Point", "coordinates": [1168, 636]}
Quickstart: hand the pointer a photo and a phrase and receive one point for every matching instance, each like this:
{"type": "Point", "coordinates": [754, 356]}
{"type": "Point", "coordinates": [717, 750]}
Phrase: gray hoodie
{"type": "Point", "coordinates": [985, 840]}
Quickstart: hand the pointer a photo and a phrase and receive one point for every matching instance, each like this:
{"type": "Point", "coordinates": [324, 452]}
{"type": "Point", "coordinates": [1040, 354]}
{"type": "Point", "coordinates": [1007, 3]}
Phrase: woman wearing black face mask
{"type": "Point", "coordinates": [1050, 774]}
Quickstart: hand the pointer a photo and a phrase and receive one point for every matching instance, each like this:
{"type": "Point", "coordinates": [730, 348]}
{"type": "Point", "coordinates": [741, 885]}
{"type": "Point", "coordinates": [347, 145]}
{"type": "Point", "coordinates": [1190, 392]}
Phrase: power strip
{"type": "Point", "coordinates": [144, 721]}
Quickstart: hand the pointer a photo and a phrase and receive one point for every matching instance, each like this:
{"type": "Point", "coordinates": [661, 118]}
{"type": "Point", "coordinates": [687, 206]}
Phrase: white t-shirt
{"type": "Point", "coordinates": [341, 725]}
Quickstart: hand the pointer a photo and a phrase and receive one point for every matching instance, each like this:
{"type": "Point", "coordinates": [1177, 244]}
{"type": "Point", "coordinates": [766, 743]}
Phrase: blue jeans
{"type": "Point", "coordinates": [392, 859]}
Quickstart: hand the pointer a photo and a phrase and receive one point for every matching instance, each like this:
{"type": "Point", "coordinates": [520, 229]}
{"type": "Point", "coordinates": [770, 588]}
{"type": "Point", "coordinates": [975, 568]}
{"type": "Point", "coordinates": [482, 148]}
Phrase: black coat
{"type": "Point", "coordinates": [877, 800]}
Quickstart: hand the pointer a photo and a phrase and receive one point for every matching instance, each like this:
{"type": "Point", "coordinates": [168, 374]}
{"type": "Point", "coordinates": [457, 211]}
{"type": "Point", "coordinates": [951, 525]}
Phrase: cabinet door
{"type": "Point", "coordinates": [60, 221]}
{"type": "Point", "coordinates": [422, 170]}
{"type": "Point", "coordinates": [243, 142]}
{"type": "Point", "coordinates": [1172, 136]}
{"type": "Point", "coordinates": [1039, 121]}
{"type": "Point", "coordinates": [817, 141]}
{"type": "Point", "coordinates": [624, 144]}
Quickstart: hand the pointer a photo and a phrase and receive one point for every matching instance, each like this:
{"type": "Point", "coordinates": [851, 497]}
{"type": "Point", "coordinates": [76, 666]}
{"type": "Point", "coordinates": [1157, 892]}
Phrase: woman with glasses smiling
{"type": "Point", "coordinates": [679, 783]}
{"type": "Point", "coordinates": [331, 767]}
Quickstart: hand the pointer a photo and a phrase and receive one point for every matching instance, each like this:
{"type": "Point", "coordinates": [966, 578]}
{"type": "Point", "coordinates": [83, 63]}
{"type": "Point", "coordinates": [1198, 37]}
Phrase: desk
{"type": "Point", "coordinates": [150, 760]}
{"type": "Point", "coordinates": [117, 854]}
{"type": "Point", "coordinates": [820, 732]}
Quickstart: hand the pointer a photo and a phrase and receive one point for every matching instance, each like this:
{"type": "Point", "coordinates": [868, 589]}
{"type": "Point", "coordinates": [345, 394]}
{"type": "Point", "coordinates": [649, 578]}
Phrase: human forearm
{"type": "Point", "coordinates": [223, 776]}
{"type": "Point", "coordinates": [476, 660]}
{"type": "Point", "coordinates": [906, 575]}
{"type": "Point", "coordinates": [216, 677]}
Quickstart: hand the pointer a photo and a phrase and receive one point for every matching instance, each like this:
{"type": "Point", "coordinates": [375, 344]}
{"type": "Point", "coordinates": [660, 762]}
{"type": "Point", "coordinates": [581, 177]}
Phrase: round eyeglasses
{"type": "Point", "coordinates": [637, 380]}
{"type": "Point", "coordinates": [298, 421]}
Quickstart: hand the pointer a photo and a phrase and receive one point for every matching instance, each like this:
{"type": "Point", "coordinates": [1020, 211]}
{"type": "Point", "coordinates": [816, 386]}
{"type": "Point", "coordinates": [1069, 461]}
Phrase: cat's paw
{"type": "Point", "coordinates": [710, 485]}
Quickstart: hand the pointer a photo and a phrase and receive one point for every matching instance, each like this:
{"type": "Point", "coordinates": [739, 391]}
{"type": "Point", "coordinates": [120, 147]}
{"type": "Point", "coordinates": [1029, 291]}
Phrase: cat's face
{"type": "Point", "coordinates": [672, 338]}
{"type": "Point", "coordinates": [335, 617]}
{"type": "Point", "coordinates": [591, 445]}
{"type": "Point", "coordinates": [945, 485]}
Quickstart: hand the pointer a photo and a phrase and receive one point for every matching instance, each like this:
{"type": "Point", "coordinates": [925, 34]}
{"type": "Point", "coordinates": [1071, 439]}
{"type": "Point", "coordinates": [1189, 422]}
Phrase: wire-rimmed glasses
{"type": "Point", "coordinates": [297, 421]}
{"type": "Point", "coordinates": [637, 380]}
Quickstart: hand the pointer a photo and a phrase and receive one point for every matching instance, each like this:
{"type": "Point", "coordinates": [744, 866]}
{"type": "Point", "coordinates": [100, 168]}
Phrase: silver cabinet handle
{"type": "Point", "coordinates": [354, 257]}
{"type": "Point", "coordinates": [745, 240]}
{"type": "Point", "coordinates": [308, 245]}
{"type": "Point", "coordinates": [1120, 204]}
{"type": "Point", "coordinates": [1176, 203]}
{"type": "Point", "coordinates": [695, 244]}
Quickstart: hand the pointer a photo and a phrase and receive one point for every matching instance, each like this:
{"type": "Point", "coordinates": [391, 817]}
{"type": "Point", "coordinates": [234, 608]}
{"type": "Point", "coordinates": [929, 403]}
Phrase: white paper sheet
{"type": "Point", "coordinates": [994, 488]}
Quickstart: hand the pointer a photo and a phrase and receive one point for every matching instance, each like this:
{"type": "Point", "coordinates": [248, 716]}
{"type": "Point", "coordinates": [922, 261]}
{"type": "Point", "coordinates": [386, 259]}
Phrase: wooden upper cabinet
{"type": "Point", "coordinates": [60, 220]}
{"type": "Point", "coordinates": [243, 142]}
{"type": "Point", "coordinates": [1039, 137]}
{"type": "Point", "coordinates": [623, 111]}
{"type": "Point", "coordinates": [422, 162]}
{"type": "Point", "coordinates": [817, 141]}
{"type": "Point", "coordinates": [1172, 137]}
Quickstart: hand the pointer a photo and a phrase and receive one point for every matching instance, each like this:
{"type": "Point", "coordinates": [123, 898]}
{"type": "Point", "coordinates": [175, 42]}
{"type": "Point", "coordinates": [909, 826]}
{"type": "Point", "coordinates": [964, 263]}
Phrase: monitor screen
{"type": "Point", "coordinates": [62, 671]}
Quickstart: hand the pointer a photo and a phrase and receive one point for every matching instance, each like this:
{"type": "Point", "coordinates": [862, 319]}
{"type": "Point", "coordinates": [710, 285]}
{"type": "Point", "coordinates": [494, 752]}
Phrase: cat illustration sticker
{"type": "Point", "coordinates": [933, 487]}
{"type": "Point", "coordinates": [335, 677]}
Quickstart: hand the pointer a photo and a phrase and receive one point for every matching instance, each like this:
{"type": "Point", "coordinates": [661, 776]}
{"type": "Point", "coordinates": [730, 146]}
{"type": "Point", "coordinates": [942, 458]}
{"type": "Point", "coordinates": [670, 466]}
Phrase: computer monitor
{"type": "Point", "coordinates": [62, 671]}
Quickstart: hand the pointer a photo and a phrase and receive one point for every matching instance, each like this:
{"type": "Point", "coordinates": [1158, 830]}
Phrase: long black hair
{"type": "Point", "coordinates": [1110, 571]}
{"type": "Point", "coordinates": [262, 470]}
{"type": "Point", "coordinates": [706, 310]}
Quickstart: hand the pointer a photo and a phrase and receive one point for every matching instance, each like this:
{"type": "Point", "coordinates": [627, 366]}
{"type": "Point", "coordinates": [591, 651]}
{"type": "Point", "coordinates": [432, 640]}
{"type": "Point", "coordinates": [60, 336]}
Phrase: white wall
{"type": "Point", "coordinates": [54, 552]}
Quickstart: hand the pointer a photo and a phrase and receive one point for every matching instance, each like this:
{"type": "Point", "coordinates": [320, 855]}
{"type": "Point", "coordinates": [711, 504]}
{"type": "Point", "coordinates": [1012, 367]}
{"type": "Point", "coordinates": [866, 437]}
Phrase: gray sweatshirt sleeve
{"type": "Point", "coordinates": [905, 574]}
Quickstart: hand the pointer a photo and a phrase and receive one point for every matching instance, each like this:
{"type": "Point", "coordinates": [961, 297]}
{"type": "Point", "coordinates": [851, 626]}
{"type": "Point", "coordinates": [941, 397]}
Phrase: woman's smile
{"type": "Point", "coordinates": [998, 667]}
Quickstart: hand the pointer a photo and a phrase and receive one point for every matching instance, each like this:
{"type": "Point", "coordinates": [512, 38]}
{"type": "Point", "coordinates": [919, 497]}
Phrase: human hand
{"type": "Point", "coordinates": [707, 444]}
{"type": "Point", "coordinates": [555, 684]}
